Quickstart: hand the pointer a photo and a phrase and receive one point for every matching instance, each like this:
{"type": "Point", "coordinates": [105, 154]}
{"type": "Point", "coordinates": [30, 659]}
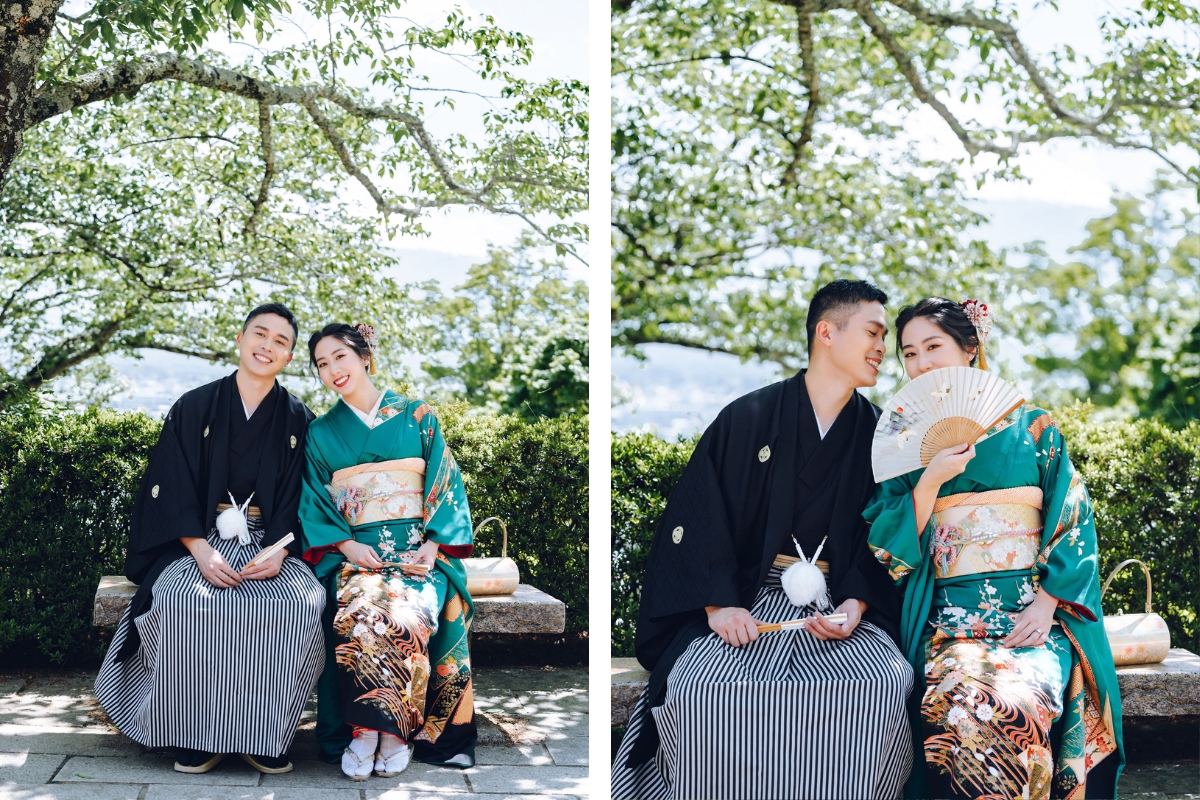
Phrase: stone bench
{"type": "Point", "coordinates": [528, 610]}
{"type": "Point", "coordinates": [1169, 689]}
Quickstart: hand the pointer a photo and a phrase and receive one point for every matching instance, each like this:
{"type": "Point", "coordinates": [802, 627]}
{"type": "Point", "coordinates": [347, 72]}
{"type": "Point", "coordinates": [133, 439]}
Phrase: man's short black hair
{"type": "Point", "coordinates": [279, 309]}
{"type": "Point", "coordinates": [836, 301]}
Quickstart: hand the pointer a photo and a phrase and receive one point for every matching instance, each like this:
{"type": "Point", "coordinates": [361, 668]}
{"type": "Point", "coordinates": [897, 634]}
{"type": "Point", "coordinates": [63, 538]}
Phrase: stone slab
{"type": "Point", "coordinates": [517, 679]}
{"type": "Point", "coordinates": [232, 771]}
{"type": "Point", "coordinates": [528, 610]}
{"type": "Point", "coordinates": [113, 595]}
{"type": "Point", "coordinates": [247, 793]}
{"type": "Point", "coordinates": [567, 701]}
{"type": "Point", "coordinates": [530, 755]}
{"type": "Point", "coordinates": [529, 780]}
{"type": "Point", "coordinates": [62, 791]}
{"type": "Point", "coordinates": [65, 741]}
{"type": "Point", "coordinates": [28, 767]}
{"type": "Point", "coordinates": [417, 778]}
{"type": "Point", "coordinates": [404, 794]}
{"type": "Point", "coordinates": [1171, 688]}
{"type": "Point", "coordinates": [569, 752]}
{"type": "Point", "coordinates": [1171, 779]}
{"type": "Point", "coordinates": [627, 679]}
{"type": "Point", "coordinates": [524, 729]}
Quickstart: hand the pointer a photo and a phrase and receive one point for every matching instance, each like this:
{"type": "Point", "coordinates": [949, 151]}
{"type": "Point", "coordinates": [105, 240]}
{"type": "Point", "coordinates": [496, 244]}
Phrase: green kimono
{"type": "Point", "coordinates": [1028, 722]}
{"type": "Point", "coordinates": [396, 644]}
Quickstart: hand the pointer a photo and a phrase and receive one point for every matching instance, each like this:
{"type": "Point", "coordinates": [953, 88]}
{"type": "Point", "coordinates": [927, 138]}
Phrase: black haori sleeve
{"type": "Point", "coordinates": [167, 506]}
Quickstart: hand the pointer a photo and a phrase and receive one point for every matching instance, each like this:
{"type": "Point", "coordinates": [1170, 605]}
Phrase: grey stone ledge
{"type": "Point", "coordinates": [528, 610]}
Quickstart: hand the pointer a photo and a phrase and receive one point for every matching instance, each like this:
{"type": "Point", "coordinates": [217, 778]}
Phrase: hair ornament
{"type": "Point", "coordinates": [367, 332]}
{"type": "Point", "coordinates": [977, 313]}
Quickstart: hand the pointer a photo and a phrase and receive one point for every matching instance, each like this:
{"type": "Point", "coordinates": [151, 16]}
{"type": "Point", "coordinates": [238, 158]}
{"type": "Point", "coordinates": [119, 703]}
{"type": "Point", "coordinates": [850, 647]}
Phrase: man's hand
{"type": "Point", "coordinates": [823, 629]}
{"type": "Point", "coordinates": [734, 625]}
{"type": "Point", "coordinates": [212, 564]}
{"type": "Point", "coordinates": [267, 568]}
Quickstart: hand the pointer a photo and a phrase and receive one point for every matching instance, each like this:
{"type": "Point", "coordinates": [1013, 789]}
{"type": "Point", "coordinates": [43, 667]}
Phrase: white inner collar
{"type": "Point", "coordinates": [371, 419]}
{"type": "Point", "coordinates": [821, 430]}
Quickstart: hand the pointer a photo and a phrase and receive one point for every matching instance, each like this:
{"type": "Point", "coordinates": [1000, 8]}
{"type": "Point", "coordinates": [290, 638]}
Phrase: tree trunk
{"type": "Point", "coordinates": [25, 28]}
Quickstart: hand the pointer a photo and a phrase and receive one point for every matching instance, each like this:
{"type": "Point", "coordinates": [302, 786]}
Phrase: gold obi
{"type": "Point", "coordinates": [380, 492]}
{"type": "Point", "coordinates": [783, 562]}
{"type": "Point", "coordinates": [994, 531]}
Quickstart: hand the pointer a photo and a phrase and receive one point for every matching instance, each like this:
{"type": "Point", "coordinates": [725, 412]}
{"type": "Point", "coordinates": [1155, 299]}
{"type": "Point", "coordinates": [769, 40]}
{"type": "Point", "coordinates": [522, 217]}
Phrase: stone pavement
{"type": "Point", "coordinates": [56, 744]}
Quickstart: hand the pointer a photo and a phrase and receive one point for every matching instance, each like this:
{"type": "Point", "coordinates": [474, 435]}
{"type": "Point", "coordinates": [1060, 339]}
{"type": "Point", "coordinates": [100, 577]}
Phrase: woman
{"type": "Point", "coordinates": [385, 521]}
{"type": "Point", "coordinates": [994, 546]}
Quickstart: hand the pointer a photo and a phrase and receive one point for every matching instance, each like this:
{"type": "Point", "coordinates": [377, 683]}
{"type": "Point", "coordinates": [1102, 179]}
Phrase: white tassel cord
{"type": "Point", "coordinates": [803, 582]}
{"type": "Point", "coordinates": [232, 521]}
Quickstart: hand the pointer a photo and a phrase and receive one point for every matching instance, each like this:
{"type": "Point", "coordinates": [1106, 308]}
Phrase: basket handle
{"type": "Point", "coordinates": [504, 528]}
{"type": "Point", "coordinates": [1121, 566]}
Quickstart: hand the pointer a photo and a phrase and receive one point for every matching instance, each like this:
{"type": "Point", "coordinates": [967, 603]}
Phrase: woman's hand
{"type": "Point", "coordinates": [425, 554]}
{"type": "Point", "coordinates": [212, 564]}
{"type": "Point", "coordinates": [267, 568]}
{"type": "Point", "coordinates": [946, 465]}
{"type": "Point", "coordinates": [735, 626]}
{"type": "Point", "coordinates": [1032, 627]}
{"type": "Point", "coordinates": [359, 554]}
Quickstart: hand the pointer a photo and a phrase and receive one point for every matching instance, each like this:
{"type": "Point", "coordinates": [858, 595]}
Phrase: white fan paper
{"type": "Point", "coordinates": [940, 409]}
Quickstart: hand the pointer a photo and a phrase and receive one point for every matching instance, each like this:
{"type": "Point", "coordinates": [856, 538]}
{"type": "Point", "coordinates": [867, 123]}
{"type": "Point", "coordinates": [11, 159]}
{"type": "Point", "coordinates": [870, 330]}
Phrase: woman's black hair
{"type": "Point", "coordinates": [347, 335]}
{"type": "Point", "coordinates": [947, 315]}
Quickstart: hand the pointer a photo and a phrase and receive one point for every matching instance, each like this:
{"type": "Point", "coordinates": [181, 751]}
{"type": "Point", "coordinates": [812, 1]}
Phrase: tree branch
{"type": "Point", "coordinates": [128, 77]}
{"type": "Point", "coordinates": [760, 352]}
{"type": "Point", "coordinates": [64, 355]}
{"type": "Point", "coordinates": [909, 70]}
{"type": "Point", "coordinates": [808, 62]}
{"type": "Point", "coordinates": [268, 151]}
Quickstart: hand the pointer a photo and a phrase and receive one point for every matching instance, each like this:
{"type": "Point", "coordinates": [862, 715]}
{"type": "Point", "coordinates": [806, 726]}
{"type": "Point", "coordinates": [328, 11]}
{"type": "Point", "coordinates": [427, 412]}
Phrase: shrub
{"type": "Point", "coordinates": [67, 482]}
{"type": "Point", "coordinates": [1143, 478]}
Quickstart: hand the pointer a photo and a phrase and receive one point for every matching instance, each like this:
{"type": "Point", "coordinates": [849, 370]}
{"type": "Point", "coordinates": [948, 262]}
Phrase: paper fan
{"type": "Point", "coordinates": [940, 409]}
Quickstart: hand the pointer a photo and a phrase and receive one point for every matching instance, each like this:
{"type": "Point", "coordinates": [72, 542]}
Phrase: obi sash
{"type": "Point", "coordinates": [380, 492]}
{"type": "Point", "coordinates": [994, 531]}
{"type": "Point", "coordinates": [783, 562]}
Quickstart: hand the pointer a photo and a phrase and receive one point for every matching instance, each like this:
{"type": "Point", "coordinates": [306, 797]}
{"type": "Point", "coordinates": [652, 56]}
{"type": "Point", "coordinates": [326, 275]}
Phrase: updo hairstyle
{"type": "Point", "coordinates": [948, 316]}
{"type": "Point", "coordinates": [347, 335]}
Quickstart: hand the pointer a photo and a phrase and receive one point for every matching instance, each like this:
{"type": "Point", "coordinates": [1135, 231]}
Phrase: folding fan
{"type": "Point", "coordinates": [940, 409]}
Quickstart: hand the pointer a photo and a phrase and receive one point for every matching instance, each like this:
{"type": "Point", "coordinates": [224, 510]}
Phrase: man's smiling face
{"type": "Point", "coordinates": [265, 347]}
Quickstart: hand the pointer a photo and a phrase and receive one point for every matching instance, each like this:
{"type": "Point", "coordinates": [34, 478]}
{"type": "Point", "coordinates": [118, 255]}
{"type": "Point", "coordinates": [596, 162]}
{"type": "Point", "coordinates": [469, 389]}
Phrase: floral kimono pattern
{"type": "Point", "coordinates": [399, 641]}
{"type": "Point", "coordinates": [994, 722]}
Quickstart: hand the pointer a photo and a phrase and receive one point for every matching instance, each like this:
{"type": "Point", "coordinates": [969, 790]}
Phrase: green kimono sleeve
{"type": "Point", "coordinates": [447, 515]}
{"type": "Point", "coordinates": [322, 526]}
{"type": "Point", "coordinates": [894, 538]}
{"type": "Point", "coordinates": [1069, 565]}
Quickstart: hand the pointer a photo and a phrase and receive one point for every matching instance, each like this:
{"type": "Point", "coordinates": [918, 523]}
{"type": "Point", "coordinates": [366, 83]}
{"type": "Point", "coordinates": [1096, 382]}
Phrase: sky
{"type": "Point", "coordinates": [677, 391]}
{"type": "Point", "coordinates": [457, 238]}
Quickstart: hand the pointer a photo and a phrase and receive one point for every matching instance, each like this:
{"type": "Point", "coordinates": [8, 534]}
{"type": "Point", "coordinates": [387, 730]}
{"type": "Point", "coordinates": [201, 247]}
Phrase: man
{"type": "Point", "coordinates": [214, 655]}
{"type": "Point", "coordinates": [815, 712]}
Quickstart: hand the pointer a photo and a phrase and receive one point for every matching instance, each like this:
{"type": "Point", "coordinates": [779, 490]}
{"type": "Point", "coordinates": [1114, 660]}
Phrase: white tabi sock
{"type": "Point", "coordinates": [364, 744]}
{"type": "Point", "coordinates": [390, 744]}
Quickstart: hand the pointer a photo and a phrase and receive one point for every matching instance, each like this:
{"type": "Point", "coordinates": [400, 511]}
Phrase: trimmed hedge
{"type": "Point", "coordinates": [67, 482]}
{"type": "Point", "coordinates": [1143, 478]}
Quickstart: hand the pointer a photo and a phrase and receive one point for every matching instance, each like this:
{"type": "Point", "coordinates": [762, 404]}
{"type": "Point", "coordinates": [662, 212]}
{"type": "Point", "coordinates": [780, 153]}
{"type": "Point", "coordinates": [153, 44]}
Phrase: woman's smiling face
{"type": "Point", "coordinates": [926, 347]}
{"type": "Point", "coordinates": [339, 367]}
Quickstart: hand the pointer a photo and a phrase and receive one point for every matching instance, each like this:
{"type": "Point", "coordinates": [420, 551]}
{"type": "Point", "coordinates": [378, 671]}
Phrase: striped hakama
{"type": "Point", "coordinates": [219, 670]}
{"type": "Point", "coordinates": [786, 716]}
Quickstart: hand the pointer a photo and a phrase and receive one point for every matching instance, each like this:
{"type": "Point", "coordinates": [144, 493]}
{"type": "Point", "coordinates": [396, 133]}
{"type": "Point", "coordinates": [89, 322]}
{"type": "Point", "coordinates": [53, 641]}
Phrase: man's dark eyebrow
{"type": "Point", "coordinates": [286, 338]}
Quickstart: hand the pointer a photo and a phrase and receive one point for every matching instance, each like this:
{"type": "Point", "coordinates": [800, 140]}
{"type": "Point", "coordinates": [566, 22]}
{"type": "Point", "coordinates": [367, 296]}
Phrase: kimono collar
{"type": "Point", "coordinates": [355, 434]}
{"type": "Point", "coordinates": [816, 453]}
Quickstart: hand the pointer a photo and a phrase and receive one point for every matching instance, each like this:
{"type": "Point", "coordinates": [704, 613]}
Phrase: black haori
{"type": "Point", "coordinates": [786, 716]}
{"type": "Point", "coordinates": [219, 670]}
